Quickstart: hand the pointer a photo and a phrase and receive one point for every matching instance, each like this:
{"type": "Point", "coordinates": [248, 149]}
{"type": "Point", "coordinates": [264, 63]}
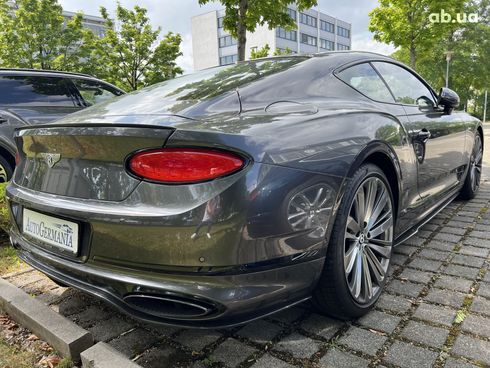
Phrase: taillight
{"type": "Point", "coordinates": [17, 158]}
{"type": "Point", "coordinates": [184, 165]}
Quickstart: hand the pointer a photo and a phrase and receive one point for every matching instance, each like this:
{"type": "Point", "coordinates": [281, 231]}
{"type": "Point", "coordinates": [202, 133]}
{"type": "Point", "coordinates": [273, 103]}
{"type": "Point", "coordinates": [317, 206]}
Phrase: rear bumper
{"type": "Point", "coordinates": [230, 299]}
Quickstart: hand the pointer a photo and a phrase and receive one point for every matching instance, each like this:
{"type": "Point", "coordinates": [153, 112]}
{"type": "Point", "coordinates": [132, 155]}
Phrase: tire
{"type": "Point", "coordinates": [6, 170]}
{"type": "Point", "coordinates": [473, 176]}
{"type": "Point", "coordinates": [337, 293]}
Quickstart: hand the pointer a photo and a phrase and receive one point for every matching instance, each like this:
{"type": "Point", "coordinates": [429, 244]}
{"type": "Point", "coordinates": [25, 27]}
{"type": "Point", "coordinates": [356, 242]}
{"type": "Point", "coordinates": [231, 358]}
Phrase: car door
{"type": "Point", "coordinates": [438, 138]}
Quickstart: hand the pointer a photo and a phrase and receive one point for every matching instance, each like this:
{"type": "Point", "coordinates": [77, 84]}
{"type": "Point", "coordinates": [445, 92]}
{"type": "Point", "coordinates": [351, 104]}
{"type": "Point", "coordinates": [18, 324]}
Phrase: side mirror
{"type": "Point", "coordinates": [449, 99]}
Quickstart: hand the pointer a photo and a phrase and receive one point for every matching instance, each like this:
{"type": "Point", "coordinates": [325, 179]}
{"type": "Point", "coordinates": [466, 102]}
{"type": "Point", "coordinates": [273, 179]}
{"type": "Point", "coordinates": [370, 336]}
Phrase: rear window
{"type": "Point", "coordinates": [34, 91]}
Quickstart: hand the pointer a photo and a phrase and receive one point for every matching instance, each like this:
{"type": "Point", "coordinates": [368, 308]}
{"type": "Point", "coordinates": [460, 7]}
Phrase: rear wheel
{"type": "Point", "coordinates": [360, 247]}
{"type": "Point", "coordinates": [6, 170]}
{"type": "Point", "coordinates": [473, 177]}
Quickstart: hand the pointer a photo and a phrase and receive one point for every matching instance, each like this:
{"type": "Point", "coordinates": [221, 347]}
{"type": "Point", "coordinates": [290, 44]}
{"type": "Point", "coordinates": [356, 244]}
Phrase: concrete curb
{"type": "Point", "coordinates": [65, 336]}
{"type": "Point", "coordinates": [102, 355]}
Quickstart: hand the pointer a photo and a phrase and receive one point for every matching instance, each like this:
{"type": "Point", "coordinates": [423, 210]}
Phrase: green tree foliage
{"type": "Point", "coordinates": [286, 51]}
{"type": "Point", "coordinates": [245, 15]}
{"type": "Point", "coordinates": [260, 53]}
{"type": "Point", "coordinates": [130, 54]}
{"type": "Point", "coordinates": [34, 34]}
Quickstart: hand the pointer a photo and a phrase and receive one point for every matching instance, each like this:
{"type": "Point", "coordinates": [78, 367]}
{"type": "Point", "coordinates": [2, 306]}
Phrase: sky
{"type": "Point", "coordinates": [175, 16]}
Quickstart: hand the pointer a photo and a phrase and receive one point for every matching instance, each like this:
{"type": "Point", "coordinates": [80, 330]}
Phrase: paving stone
{"type": "Point", "coordinates": [73, 304]}
{"type": "Point", "coordinates": [414, 241]}
{"type": "Point", "coordinates": [405, 249]}
{"type": "Point", "coordinates": [465, 260]}
{"type": "Point", "coordinates": [260, 331]}
{"type": "Point", "coordinates": [472, 348]}
{"type": "Point", "coordinates": [425, 334]}
{"type": "Point", "coordinates": [477, 242]}
{"type": "Point", "coordinates": [424, 234]}
{"type": "Point", "coordinates": [463, 271]}
{"type": "Point", "coordinates": [484, 290]}
{"type": "Point", "coordinates": [458, 224]}
{"type": "Point", "coordinates": [477, 325]}
{"type": "Point", "coordinates": [110, 328]}
{"type": "Point", "coordinates": [439, 245]}
{"type": "Point", "coordinates": [425, 264]}
{"type": "Point", "coordinates": [102, 355]}
{"type": "Point", "coordinates": [446, 297]}
{"type": "Point", "coordinates": [336, 358]}
{"type": "Point", "coordinates": [134, 342]}
{"type": "Point", "coordinates": [475, 251]}
{"type": "Point", "coordinates": [232, 352]}
{"type": "Point", "coordinates": [268, 361]}
{"type": "Point", "coordinates": [434, 254]}
{"type": "Point", "coordinates": [453, 283]}
{"type": "Point", "coordinates": [394, 303]}
{"type": "Point", "coordinates": [456, 363]}
{"type": "Point", "coordinates": [449, 238]}
{"type": "Point", "coordinates": [362, 340]}
{"type": "Point", "coordinates": [90, 316]}
{"type": "Point", "coordinates": [480, 234]}
{"type": "Point", "coordinates": [164, 355]}
{"type": "Point", "coordinates": [430, 227]}
{"type": "Point", "coordinates": [380, 321]}
{"type": "Point", "coordinates": [480, 305]}
{"type": "Point", "coordinates": [39, 287]}
{"type": "Point", "coordinates": [55, 295]}
{"type": "Point", "coordinates": [453, 230]}
{"type": "Point", "coordinates": [416, 275]}
{"type": "Point", "coordinates": [321, 326]}
{"type": "Point", "coordinates": [289, 315]}
{"type": "Point", "coordinates": [408, 356]}
{"type": "Point", "coordinates": [298, 345]}
{"type": "Point", "coordinates": [159, 330]}
{"type": "Point", "coordinates": [398, 259]}
{"type": "Point", "coordinates": [469, 219]}
{"type": "Point", "coordinates": [487, 277]}
{"type": "Point", "coordinates": [405, 288]}
{"type": "Point", "coordinates": [197, 339]}
{"type": "Point", "coordinates": [435, 313]}
{"type": "Point", "coordinates": [26, 278]}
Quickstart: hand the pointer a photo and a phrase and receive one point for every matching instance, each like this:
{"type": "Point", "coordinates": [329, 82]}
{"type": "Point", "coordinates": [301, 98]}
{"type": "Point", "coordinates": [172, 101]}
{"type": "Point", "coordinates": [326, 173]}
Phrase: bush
{"type": "Point", "coordinates": [4, 215]}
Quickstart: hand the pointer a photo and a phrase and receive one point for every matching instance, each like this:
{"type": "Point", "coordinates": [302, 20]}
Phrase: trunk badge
{"type": "Point", "coordinates": [51, 158]}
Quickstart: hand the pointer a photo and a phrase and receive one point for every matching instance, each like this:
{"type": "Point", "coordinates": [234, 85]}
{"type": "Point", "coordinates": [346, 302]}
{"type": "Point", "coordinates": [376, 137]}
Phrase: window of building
{"type": "Point", "coordinates": [364, 78]}
{"type": "Point", "coordinates": [327, 26]}
{"type": "Point", "coordinates": [343, 32]}
{"type": "Point", "coordinates": [292, 13]}
{"type": "Point", "coordinates": [220, 22]}
{"type": "Point", "coordinates": [326, 44]}
{"type": "Point", "coordinates": [227, 60]}
{"type": "Point", "coordinates": [307, 19]}
{"type": "Point", "coordinates": [341, 47]}
{"type": "Point", "coordinates": [227, 41]}
{"type": "Point", "coordinates": [35, 91]}
{"type": "Point", "coordinates": [308, 40]}
{"type": "Point", "coordinates": [287, 35]}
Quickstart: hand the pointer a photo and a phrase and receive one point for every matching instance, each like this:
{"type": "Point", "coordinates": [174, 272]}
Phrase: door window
{"type": "Point", "coordinates": [364, 78]}
{"type": "Point", "coordinates": [406, 87]}
{"type": "Point", "coordinates": [94, 92]}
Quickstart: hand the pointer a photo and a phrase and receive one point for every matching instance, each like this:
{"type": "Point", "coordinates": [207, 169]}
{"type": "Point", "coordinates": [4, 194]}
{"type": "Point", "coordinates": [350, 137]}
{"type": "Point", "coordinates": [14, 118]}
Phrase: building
{"type": "Point", "coordinates": [96, 24]}
{"type": "Point", "coordinates": [315, 32]}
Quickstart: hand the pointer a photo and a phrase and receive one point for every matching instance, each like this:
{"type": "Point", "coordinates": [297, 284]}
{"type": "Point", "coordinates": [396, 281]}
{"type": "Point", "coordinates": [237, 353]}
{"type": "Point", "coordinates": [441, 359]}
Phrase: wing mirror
{"type": "Point", "coordinates": [449, 99]}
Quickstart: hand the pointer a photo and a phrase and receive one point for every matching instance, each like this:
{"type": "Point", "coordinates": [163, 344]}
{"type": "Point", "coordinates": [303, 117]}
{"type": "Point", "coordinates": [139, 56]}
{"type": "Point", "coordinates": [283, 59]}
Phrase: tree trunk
{"type": "Point", "coordinates": [413, 56]}
{"type": "Point", "coordinates": [242, 29]}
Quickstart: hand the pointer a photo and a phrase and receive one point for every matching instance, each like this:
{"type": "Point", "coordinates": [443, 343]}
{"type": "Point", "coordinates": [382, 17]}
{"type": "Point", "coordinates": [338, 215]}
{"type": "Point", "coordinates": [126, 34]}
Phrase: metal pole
{"type": "Point", "coordinates": [485, 107]}
{"type": "Point", "coordinates": [449, 55]}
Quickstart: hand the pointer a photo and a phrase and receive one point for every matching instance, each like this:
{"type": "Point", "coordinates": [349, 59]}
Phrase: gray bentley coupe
{"type": "Point", "coordinates": [225, 195]}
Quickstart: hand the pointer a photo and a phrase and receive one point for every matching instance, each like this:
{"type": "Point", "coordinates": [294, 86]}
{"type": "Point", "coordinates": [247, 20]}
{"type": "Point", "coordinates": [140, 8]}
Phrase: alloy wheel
{"type": "Point", "coordinates": [476, 164]}
{"type": "Point", "coordinates": [368, 240]}
{"type": "Point", "coordinates": [3, 174]}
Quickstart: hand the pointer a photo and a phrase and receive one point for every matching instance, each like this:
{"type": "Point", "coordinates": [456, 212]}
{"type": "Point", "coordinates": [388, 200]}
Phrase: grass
{"type": "Point", "coordinates": [12, 357]}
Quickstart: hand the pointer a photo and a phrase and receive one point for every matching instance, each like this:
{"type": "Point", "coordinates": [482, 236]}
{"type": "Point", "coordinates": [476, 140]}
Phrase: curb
{"type": "Point", "coordinates": [65, 336]}
{"type": "Point", "coordinates": [102, 355]}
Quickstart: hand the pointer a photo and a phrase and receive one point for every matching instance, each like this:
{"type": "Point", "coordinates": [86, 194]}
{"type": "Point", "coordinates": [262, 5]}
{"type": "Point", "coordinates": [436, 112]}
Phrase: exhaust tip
{"type": "Point", "coordinates": [169, 306]}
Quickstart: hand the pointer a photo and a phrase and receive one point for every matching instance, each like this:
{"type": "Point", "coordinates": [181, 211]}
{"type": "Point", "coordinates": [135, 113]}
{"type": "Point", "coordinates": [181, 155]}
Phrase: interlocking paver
{"type": "Point", "coordinates": [197, 339]}
{"type": "Point", "coordinates": [477, 324]}
{"type": "Point", "coordinates": [409, 356]}
{"type": "Point", "coordinates": [134, 342]}
{"type": "Point", "coordinates": [362, 340]}
{"type": "Point", "coordinates": [456, 270]}
{"type": "Point", "coordinates": [434, 254]}
{"type": "Point", "coordinates": [91, 316]}
{"type": "Point", "coordinates": [416, 275]}
{"type": "Point", "coordinates": [480, 305]}
{"type": "Point", "coordinates": [232, 352]}
{"type": "Point", "coordinates": [394, 303]}
{"type": "Point", "coordinates": [164, 355]}
{"type": "Point", "coordinates": [477, 242]}
{"type": "Point", "coordinates": [445, 237]}
{"type": "Point", "coordinates": [453, 283]}
{"type": "Point", "coordinates": [380, 321]}
{"type": "Point", "coordinates": [436, 314]}
{"type": "Point", "coordinates": [472, 348]}
{"type": "Point", "coordinates": [336, 358]}
{"type": "Point", "coordinates": [289, 315]}
{"type": "Point", "coordinates": [405, 288]}
{"type": "Point", "coordinates": [484, 290]}
{"type": "Point", "coordinates": [425, 264]}
{"type": "Point", "coordinates": [480, 234]}
{"type": "Point", "coordinates": [405, 249]}
{"type": "Point", "coordinates": [298, 346]}
{"type": "Point", "coordinates": [260, 331]}
{"type": "Point", "coordinates": [474, 251]}
{"type": "Point", "coordinates": [425, 334]}
{"type": "Point", "coordinates": [456, 363]}
{"type": "Point", "coordinates": [466, 260]}
{"type": "Point", "coordinates": [439, 245]}
{"type": "Point", "coordinates": [322, 326]}
{"type": "Point", "coordinates": [446, 297]}
{"type": "Point", "coordinates": [268, 361]}
{"type": "Point", "coordinates": [110, 328]}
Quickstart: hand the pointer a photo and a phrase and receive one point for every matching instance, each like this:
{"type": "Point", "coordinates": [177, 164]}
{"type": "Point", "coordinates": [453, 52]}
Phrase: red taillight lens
{"type": "Point", "coordinates": [184, 165]}
{"type": "Point", "coordinates": [17, 158]}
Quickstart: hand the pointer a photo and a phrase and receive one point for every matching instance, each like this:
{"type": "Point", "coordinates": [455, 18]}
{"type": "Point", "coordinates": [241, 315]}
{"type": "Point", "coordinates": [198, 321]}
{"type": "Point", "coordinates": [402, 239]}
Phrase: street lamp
{"type": "Point", "coordinates": [449, 55]}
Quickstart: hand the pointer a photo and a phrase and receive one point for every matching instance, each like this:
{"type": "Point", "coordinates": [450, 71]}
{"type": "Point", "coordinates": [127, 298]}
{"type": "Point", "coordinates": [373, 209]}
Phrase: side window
{"type": "Point", "coordinates": [406, 87]}
{"type": "Point", "coordinates": [34, 91]}
{"type": "Point", "coordinates": [364, 78]}
{"type": "Point", "coordinates": [94, 92]}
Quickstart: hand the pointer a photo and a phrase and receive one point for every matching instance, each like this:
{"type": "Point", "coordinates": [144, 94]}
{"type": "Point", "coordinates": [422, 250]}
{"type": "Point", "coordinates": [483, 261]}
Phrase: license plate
{"type": "Point", "coordinates": [51, 230]}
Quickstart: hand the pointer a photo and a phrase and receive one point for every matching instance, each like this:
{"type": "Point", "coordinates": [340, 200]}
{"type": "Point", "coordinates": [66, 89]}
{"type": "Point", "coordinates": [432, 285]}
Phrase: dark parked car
{"type": "Point", "coordinates": [229, 194]}
{"type": "Point", "coordinates": [31, 97]}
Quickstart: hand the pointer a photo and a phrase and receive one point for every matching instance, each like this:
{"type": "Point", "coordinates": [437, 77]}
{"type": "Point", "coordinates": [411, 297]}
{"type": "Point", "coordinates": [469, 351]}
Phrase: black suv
{"type": "Point", "coordinates": [39, 96]}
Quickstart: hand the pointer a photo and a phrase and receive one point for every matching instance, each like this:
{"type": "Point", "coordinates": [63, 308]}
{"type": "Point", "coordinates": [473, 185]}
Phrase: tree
{"type": "Point", "coordinates": [245, 15]}
{"type": "Point", "coordinates": [34, 34]}
{"type": "Point", "coordinates": [410, 24]}
{"type": "Point", "coordinates": [130, 54]}
{"type": "Point", "coordinates": [286, 51]}
{"type": "Point", "coordinates": [260, 53]}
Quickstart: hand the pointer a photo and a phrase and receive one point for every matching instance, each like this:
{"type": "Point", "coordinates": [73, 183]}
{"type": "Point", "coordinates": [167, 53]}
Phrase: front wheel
{"type": "Point", "coordinates": [359, 251]}
{"type": "Point", "coordinates": [5, 170]}
{"type": "Point", "coordinates": [473, 177]}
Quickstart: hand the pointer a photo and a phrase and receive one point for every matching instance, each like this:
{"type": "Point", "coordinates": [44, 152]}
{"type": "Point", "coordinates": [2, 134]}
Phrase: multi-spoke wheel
{"type": "Point", "coordinates": [359, 251]}
{"type": "Point", "coordinates": [473, 177]}
{"type": "Point", "coordinates": [5, 170]}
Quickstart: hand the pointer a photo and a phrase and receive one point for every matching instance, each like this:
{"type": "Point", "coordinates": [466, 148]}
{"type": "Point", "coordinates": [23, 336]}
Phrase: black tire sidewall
{"type": "Point", "coordinates": [8, 168]}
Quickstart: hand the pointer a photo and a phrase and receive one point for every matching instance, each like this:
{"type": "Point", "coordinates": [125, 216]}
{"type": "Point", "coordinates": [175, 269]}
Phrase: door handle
{"type": "Point", "coordinates": [423, 135]}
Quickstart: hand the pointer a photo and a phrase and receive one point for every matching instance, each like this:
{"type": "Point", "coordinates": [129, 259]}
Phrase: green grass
{"type": "Point", "coordinates": [12, 357]}
{"type": "Point", "coordinates": [4, 216]}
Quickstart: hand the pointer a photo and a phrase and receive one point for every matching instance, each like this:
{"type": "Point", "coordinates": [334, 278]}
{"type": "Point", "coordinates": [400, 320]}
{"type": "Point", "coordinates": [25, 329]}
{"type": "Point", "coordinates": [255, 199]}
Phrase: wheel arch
{"type": "Point", "coordinates": [5, 153]}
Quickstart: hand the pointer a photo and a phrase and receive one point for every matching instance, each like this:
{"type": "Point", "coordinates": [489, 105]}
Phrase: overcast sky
{"type": "Point", "coordinates": [175, 16]}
